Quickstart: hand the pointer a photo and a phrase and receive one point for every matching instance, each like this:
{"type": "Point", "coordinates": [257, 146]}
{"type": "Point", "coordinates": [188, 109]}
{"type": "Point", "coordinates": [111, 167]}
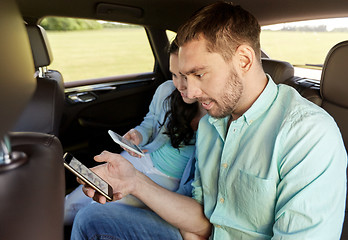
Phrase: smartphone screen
{"type": "Point", "coordinates": [88, 176]}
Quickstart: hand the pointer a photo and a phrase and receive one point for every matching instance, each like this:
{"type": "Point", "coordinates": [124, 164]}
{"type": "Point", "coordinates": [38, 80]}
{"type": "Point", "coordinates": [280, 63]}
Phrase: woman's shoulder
{"type": "Point", "coordinates": [166, 86]}
{"type": "Point", "coordinates": [165, 89]}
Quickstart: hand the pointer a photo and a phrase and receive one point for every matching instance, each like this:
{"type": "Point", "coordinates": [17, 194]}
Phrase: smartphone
{"type": "Point", "coordinates": [125, 143]}
{"type": "Point", "coordinates": [88, 176]}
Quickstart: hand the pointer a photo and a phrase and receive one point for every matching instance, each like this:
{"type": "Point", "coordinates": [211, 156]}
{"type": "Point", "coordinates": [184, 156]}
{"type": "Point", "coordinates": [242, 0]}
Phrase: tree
{"type": "Point", "coordinates": [69, 24]}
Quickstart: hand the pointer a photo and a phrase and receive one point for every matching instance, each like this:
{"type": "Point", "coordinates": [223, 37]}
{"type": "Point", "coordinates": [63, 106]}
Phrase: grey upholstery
{"type": "Point", "coordinates": [40, 46]}
{"type": "Point", "coordinates": [32, 193]}
{"type": "Point", "coordinates": [334, 86]}
{"type": "Point", "coordinates": [334, 93]}
{"type": "Point", "coordinates": [44, 111]}
{"type": "Point", "coordinates": [312, 94]}
{"type": "Point", "coordinates": [283, 72]}
{"type": "Point", "coordinates": [280, 71]}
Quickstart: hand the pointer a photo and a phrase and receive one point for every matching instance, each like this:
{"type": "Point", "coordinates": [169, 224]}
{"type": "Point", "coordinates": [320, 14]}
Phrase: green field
{"type": "Point", "coordinates": [101, 53]}
{"type": "Point", "coordinates": [300, 48]}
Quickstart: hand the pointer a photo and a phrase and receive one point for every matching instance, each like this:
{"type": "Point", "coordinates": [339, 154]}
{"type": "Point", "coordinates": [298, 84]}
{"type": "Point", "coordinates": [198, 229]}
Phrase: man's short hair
{"type": "Point", "coordinates": [225, 27]}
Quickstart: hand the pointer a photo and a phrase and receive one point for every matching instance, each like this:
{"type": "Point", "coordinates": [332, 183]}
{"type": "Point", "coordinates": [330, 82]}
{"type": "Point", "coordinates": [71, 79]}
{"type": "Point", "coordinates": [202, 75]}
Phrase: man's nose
{"type": "Point", "coordinates": [193, 90]}
{"type": "Point", "coordinates": [181, 85]}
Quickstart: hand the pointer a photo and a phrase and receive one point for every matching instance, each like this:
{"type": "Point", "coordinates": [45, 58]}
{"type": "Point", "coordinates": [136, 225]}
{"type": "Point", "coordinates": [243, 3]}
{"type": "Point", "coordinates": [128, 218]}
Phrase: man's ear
{"type": "Point", "coordinates": [246, 57]}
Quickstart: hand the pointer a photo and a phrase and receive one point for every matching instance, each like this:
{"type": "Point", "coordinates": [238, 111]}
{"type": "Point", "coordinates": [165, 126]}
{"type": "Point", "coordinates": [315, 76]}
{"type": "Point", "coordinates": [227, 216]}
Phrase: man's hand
{"type": "Point", "coordinates": [181, 211]}
{"type": "Point", "coordinates": [116, 171]}
{"type": "Point", "coordinates": [191, 236]}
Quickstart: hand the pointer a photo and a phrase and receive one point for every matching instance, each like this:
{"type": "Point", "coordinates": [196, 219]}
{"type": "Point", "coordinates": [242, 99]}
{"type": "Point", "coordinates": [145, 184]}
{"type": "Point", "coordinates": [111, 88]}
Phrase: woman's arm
{"type": "Point", "coordinates": [153, 118]}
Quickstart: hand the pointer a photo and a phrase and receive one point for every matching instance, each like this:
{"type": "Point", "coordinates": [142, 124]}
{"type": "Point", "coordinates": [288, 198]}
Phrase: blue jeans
{"type": "Point", "coordinates": [113, 221]}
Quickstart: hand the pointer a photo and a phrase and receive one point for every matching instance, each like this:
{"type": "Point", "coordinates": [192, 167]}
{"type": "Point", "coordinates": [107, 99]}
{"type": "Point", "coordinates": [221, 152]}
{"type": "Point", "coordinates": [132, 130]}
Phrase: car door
{"type": "Point", "coordinates": [116, 100]}
{"type": "Point", "coordinates": [91, 110]}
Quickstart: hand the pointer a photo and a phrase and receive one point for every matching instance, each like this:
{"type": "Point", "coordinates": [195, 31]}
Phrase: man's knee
{"type": "Point", "coordinates": [87, 218]}
{"type": "Point", "coordinates": [118, 221]}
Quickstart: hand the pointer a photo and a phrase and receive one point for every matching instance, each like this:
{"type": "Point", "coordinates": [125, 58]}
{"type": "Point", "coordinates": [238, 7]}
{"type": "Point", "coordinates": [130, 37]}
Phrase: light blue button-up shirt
{"type": "Point", "coordinates": [277, 172]}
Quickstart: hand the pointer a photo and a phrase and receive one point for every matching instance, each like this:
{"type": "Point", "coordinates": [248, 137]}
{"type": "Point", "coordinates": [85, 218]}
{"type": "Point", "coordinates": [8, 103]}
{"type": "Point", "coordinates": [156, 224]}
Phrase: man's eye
{"type": "Point", "coordinates": [200, 75]}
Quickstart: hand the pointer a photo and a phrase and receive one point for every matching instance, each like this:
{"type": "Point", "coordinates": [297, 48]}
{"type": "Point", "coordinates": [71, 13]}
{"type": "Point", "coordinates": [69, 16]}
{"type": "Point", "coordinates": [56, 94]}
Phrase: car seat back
{"type": "Point", "coordinates": [16, 85]}
{"type": "Point", "coordinates": [44, 112]}
{"type": "Point", "coordinates": [31, 164]}
{"type": "Point", "coordinates": [334, 86]}
{"type": "Point", "coordinates": [280, 71]}
{"type": "Point", "coordinates": [283, 72]}
{"type": "Point", "coordinates": [334, 93]}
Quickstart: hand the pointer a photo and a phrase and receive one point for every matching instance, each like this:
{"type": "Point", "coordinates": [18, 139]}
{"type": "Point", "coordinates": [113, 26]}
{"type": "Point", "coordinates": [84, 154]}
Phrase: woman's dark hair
{"type": "Point", "coordinates": [180, 114]}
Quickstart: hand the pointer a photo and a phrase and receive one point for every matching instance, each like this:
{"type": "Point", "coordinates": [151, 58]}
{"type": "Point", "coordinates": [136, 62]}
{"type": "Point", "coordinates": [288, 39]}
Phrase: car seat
{"type": "Point", "coordinates": [280, 71]}
{"type": "Point", "coordinates": [283, 72]}
{"type": "Point", "coordinates": [31, 167]}
{"type": "Point", "coordinates": [334, 93]}
{"type": "Point", "coordinates": [44, 111]}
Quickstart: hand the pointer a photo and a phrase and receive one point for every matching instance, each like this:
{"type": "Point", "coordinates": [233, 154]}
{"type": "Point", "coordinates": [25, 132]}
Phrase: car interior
{"type": "Point", "coordinates": [47, 102]}
{"type": "Point", "coordinates": [44, 116]}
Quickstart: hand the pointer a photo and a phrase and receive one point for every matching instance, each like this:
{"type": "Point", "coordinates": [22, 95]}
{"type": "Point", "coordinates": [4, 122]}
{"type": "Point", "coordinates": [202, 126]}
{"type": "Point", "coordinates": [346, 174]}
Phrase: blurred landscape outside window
{"type": "Point", "coordinates": [87, 49]}
{"type": "Point", "coordinates": [304, 44]}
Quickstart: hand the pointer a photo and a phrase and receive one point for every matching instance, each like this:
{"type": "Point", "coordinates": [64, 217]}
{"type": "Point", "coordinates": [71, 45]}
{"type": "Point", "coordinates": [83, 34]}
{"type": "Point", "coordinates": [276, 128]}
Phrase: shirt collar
{"type": "Point", "coordinates": [262, 103]}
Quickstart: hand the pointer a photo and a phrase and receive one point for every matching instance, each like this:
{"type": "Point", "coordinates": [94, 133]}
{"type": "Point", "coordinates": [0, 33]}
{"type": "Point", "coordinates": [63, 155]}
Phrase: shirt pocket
{"type": "Point", "coordinates": [254, 199]}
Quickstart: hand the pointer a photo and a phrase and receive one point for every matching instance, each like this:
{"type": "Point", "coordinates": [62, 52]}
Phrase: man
{"type": "Point", "coordinates": [270, 164]}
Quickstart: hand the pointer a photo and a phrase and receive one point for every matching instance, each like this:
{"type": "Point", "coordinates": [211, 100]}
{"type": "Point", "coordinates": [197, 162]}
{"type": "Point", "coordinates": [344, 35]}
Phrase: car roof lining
{"type": "Point", "coordinates": [174, 12]}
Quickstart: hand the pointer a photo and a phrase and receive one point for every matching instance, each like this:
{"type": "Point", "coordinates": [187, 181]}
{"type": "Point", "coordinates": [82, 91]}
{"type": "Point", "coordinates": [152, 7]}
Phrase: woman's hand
{"type": "Point", "coordinates": [134, 137]}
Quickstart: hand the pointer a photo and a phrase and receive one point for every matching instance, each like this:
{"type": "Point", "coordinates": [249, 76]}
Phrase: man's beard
{"type": "Point", "coordinates": [231, 94]}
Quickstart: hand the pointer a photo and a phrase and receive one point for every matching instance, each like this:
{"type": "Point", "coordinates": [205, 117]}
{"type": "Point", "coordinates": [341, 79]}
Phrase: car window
{"type": "Point", "coordinates": [86, 49]}
{"type": "Point", "coordinates": [171, 35]}
{"type": "Point", "coordinates": [304, 44]}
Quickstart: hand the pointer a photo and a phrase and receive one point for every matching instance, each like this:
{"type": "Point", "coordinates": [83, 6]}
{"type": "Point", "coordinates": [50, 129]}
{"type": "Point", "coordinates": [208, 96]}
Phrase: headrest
{"type": "Point", "coordinates": [17, 80]}
{"type": "Point", "coordinates": [39, 46]}
{"type": "Point", "coordinates": [280, 71]}
{"type": "Point", "coordinates": [334, 77]}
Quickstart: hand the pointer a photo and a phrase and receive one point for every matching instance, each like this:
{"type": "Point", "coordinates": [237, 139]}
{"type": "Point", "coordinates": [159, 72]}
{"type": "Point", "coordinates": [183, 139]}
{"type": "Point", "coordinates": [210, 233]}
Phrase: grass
{"type": "Point", "coordinates": [101, 53]}
{"type": "Point", "coordinates": [300, 48]}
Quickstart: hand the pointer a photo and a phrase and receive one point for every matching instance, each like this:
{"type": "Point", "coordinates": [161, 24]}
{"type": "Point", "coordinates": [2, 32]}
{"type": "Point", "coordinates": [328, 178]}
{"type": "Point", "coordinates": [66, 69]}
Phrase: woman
{"type": "Point", "coordinates": [167, 135]}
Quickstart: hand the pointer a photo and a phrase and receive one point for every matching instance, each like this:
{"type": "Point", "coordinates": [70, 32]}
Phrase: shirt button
{"type": "Point", "coordinates": [218, 226]}
{"type": "Point", "coordinates": [224, 165]}
{"type": "Point", "coordinates": [234, 130]}
{"type": "Point", "coordinates": [222, 200]}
